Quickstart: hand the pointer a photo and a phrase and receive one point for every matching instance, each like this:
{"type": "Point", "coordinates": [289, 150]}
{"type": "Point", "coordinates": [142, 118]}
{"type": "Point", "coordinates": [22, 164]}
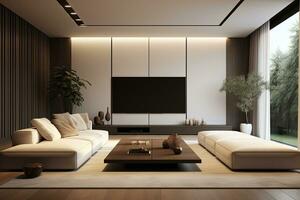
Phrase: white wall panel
{"type": "Point", "coordinates": [130, 57]}
{"type": "Point", "coordinates": [130, 119]}
{"type": "Point", "coordinates": [92, 60]}
{"type": "Point", "coordinates": [166, 119]}
{"type": "Point", "coordinates": [206, 71]}
{"type": "Point", "coordinates": [167, 57]}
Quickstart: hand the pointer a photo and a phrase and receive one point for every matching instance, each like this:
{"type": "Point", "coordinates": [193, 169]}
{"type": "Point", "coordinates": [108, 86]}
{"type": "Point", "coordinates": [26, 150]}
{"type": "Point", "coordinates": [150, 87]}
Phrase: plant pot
{"type": "Point", "coordinates": [246, 128]}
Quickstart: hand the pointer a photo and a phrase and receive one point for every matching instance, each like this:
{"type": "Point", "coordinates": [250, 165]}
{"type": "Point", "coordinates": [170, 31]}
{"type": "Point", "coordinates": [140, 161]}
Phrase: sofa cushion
{"type": "Point", "coordinates": [256, 153]}
{"type": "Point", "coordinates": [97, 138]}
{"type": "Point", "coordinates": [202, 135]}
{"type": "Point", "coordinates": [211, 139]}
{"type": "Point", "coordinates": [46, 129]}
{"type": "Point", "coordinates": [79, 122]}
{"type": "Point", "coordinates": [66, 153]}
{"type": "Point", "coordinates": [208, 139]}
{"type": "Point", "coordinates": [26, 136]}
{"type": "Point", "coordinates": [65, 128]}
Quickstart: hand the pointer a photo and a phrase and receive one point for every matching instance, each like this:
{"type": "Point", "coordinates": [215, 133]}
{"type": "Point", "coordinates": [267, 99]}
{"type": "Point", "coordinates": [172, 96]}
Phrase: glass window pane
{"type": "Point", "coordinates": [284, 39]}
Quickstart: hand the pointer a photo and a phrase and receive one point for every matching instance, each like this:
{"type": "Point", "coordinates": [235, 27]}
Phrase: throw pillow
{"type": "Point", "coordinates": [79, 122]}
{"type": "Point", "coordinates": [46, 129]}
{"type": "Point", "coordinates": [65, 129]}
{"type": "Point", "coordinates": [66, 117]}
{"type": "Point", "coordinates": [85, 117]}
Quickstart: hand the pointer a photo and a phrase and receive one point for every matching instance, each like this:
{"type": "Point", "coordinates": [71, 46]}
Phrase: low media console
{"type": "Point", "coordinates": [159, 129]}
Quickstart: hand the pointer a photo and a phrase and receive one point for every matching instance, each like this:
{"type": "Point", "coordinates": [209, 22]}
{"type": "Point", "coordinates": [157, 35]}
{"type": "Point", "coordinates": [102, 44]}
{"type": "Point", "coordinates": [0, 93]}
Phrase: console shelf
{"type": "Point", "coordinates": [158, 129]}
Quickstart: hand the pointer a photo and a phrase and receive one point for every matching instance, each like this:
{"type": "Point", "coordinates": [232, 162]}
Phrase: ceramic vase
{"type": "Point", "coordinates": [108, 115]}
{"type": "Point", "coordinates": [246, 128]}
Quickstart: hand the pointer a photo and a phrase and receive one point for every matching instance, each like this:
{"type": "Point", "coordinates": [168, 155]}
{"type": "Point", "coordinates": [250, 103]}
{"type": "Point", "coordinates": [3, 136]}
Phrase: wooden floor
{"type": "Point", "coordinates": [144, 194]}
{"type": "Point", "coordinates": [149, 194]}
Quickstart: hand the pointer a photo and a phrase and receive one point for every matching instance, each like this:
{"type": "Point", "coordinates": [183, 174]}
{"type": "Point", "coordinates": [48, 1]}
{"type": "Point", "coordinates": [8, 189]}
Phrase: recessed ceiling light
{"type": "Point", "coordinates": [78, 20]}
{"type": "Point", "coordinates": [73, 13]}
{"type": "Point", "coordinates": [67, 6]}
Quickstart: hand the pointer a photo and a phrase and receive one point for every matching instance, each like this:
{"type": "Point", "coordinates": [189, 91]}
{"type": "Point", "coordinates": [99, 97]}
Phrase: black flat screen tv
{"type": "Point", "coordinates": [148, 95]}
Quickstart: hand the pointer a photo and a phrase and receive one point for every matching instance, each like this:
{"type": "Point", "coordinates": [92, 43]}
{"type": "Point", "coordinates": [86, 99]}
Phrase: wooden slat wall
{"type": "Point", "coordinates": [24, 74]}
{"type": "Point", "coordinates": [237, 63]}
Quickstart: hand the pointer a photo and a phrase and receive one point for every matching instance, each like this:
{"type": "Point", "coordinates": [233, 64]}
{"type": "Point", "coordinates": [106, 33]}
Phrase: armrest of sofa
{"type": "Point", "coordinates": [26, 136]}
{"type": "Point", "coordinates": [90, 125]}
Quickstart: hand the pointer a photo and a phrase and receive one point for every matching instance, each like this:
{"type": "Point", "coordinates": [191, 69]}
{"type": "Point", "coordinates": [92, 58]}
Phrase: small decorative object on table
{"type": "Point", "coordinates": [173, 142]}
{"type": "Point", "coordinates": [139, 150]}
{"type": "Point", "coordinates": [140, 147]}
{"type": "Point", "coordinates": [140, 142]}
{"type": "Point", "coordinates": [107, 116]}
{"type": "Point", "coordinates": [32, 170]}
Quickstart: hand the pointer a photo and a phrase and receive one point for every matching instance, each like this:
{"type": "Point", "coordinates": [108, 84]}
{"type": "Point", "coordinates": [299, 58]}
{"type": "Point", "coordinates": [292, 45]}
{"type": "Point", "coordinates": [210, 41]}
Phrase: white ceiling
{"type": "Point", "coordinates": [51, 18]}
{"type": "Point", "coordinates": [153, 12]}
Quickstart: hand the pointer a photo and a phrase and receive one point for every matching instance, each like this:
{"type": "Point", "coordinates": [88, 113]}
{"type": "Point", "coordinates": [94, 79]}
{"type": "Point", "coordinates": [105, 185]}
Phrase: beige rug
{"type": "Point", "coordinates": [211, 173]}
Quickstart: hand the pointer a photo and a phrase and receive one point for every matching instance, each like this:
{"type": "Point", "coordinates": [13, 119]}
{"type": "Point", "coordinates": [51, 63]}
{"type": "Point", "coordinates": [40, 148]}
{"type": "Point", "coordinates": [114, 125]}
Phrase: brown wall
{"type": "Point", "coordinates": [237, 63]}
{"type": "Point", "coordinates": [60, 55]}
{"type": "Point", "coordinates": [60, 52]}
{"type": "Point", "coordinates": [24, 75]}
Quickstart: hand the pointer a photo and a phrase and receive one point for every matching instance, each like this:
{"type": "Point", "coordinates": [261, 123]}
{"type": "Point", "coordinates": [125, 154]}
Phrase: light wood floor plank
{"type": "Point", "coordinates": [149, 194]}
{"type": "Point", "coordinates": [16, 194]}
{"type": "Point", "coordinates": [294, 193]}
{"type": "Point", "coordinates": [279, 195]}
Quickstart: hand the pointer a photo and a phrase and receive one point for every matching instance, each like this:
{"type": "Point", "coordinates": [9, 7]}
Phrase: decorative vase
{"type": "Point", "coordinates": [246, 128]}
{"type": "Point", "coordinates": [107, 116]}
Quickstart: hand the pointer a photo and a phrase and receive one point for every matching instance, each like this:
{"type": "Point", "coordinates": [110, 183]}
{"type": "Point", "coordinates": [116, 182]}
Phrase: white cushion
{"type": "Point", "coordinates": [66, 153]}
{"type": "Point", "coordinates": [26, 136]}
{"type": "Point", "coordinates": [85, 117]}
{"type": "Point", "coordinates": [46, 129]}
{"type": "Point", "coordinates": [211, 139]}
{"type": "Point", "coordinates": [202, 135]}
{"type": "Point", "coordinates": [79, 122]}
{"type": "Point", "coordinates": [90, 125]}
{"type": "Point", "coordinates": [96, 137]}
{"type": "Point", "coordinates": [256, 153]}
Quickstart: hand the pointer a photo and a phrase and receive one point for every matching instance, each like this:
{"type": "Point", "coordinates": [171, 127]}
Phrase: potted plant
{"type": "Point", "coordinates": [246, 90]}
{"type": "Point", "coordinates": [65, 86]}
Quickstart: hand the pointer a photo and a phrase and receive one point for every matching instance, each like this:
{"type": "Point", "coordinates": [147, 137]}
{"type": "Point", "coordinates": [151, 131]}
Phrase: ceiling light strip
{"type": "Point", "coordinates": [68, 8]}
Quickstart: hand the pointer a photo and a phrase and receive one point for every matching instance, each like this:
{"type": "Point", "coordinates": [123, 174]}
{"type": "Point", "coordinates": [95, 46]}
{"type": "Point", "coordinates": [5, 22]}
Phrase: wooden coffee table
{"type": "Point", "coordinates": [158, 155]}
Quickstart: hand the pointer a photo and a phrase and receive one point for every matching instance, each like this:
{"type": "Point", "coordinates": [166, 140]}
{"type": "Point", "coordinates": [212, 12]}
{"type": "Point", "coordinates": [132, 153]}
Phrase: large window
{"type": "Point", "coordinates": [284, 39]}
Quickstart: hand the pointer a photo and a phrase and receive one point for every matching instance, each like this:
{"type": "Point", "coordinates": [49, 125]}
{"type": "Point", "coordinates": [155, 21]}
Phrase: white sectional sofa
{"type": "Point", "coordinates": [67, 153]}
{"type": "Point", "coordinates": [240, 151]}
